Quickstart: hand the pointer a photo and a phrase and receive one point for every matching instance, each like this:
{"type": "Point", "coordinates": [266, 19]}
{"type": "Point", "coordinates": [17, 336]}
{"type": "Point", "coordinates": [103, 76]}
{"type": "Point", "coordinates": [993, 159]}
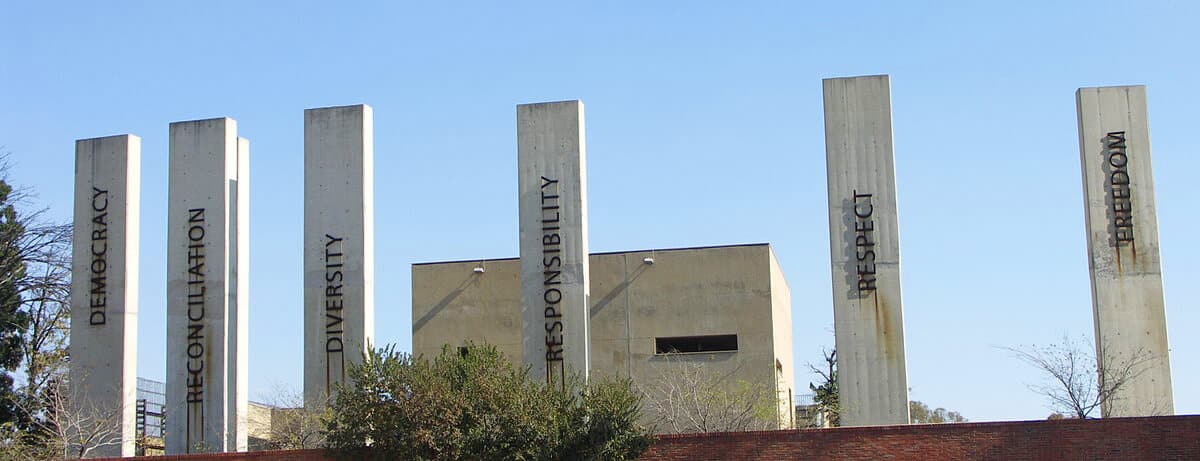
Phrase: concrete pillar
{"type": "Point", "coordinates": [237, 438]}
{"type": "Point", "coordinates": [339, 244]}
{"type": "Point", "coordinates": [864, 246]}
{"type": "Point", "coordinates": [552, 182]}
{"type": "Point", "coordinates": [104, 288]}
{"type": "Point", "coordinates": [1122, 231]}
{"type": "Point", "coordinates": [207, 252]}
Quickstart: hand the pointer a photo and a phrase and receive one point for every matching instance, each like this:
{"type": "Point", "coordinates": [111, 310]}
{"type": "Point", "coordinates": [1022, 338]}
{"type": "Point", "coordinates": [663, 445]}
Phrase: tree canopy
{"type": "Point", "coordinates": [13, 320]}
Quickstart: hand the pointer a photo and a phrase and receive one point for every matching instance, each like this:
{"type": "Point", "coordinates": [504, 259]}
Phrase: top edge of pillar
{"type": "Point", "coordinates": [364, 107]}
{"type": "Point", "coordinates": [204, 120]}
{"type": "Point", "coordinates": [578, 102]}
{"type": "Point", "coordinates": [127, 136]}
{"type": "Point", "coordinates": [1111, 88]}
{"type": "Point", "coordinates": [858, 77]}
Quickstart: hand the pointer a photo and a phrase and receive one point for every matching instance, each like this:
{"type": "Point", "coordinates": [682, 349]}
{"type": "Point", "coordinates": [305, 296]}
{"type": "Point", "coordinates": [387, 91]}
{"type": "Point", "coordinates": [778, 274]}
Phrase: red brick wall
{"type": "Point", "coordinates": [1158, 438]}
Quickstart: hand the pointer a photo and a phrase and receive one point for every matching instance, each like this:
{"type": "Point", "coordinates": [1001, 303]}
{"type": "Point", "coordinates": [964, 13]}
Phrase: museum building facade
{"type": "Point", "coordinates": [651, 312]}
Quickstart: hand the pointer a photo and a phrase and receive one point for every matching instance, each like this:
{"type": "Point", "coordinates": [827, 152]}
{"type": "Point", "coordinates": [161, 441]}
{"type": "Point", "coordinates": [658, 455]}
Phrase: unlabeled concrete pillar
{"type": "Point", "coordinates": [104, 287]}
{"type": "Point", "coordinates": [207, 256]}
{"type": "Point", "coordinates": [552, 181]}
{"type": "Point", "coordinates": [1122, 232]}
{"type": "Point", "coordinates": [339, 245]}
{"type": "Point", "coordinates": [864, 245]}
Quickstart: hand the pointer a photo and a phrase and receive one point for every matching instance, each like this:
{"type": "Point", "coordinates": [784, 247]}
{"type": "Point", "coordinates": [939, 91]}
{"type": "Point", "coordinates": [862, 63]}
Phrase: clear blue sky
{"type": "Point", "coordinates": [705, 127]}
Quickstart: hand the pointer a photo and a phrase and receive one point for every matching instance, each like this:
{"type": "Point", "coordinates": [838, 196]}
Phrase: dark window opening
{"type": "Point", "coordinates": [693, 344]}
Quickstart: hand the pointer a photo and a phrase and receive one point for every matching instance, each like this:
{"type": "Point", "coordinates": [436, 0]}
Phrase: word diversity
{"type": "Point", "coordinates": [208, 224]}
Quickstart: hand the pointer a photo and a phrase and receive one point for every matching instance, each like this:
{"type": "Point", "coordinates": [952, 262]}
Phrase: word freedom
{"type": "Point", "coordinates": [1118, 188]}
{"type": "Point", "coordinates": [552, 276]}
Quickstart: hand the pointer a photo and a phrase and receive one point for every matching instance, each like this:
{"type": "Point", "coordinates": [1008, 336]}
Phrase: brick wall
{"type": "Point", "coordinates": [1157, 438]}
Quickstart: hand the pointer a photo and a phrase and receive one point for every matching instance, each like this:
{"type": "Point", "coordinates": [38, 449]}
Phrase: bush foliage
{"type": "Point", "coordinates": [476, 405]}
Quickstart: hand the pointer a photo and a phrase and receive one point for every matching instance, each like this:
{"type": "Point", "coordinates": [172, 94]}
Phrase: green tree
{"type": "Point", "coordinates": [919, 413]}
{"type": "Point", "coordinates": [13, 320]}
{"type": "Point", "coordinates": [35, 284]}
{"type": "Point", "coordinates": [476, 405]}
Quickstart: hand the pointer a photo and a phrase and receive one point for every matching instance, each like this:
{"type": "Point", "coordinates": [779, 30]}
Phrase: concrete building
{"type": "Point", "coordinates": [727, 307]}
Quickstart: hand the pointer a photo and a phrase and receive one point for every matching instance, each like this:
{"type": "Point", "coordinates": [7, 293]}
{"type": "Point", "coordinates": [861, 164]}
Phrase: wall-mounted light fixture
{"type": "Point", "coordinates": [648, 260]}
{"type": "Point", "coordinates": [479, 269]}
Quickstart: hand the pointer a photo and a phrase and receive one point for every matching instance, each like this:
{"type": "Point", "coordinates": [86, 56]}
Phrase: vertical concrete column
{"type": "Point", "coordinates": [339, 245]}
{"type": "Point", "coordinates": [864, 246]}
{"type": "Point", "coordinates": [552, 181]}
{"type": "Point", "coordinates": [206, 282]}
{"type": "Point", "coordinates": [104, 282]}
{"type": "Point", "coordinates": [1122, 232]}
{"type": "Point", "coordinates": [237, 437]}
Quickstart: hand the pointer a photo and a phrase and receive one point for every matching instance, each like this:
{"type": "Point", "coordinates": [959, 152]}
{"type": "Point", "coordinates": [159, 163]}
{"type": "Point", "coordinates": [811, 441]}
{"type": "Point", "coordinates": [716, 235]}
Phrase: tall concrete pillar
{"type": "Point", "coordinates": [104, 287]}
{"type": "Point", "coordinates": [207, 255]}
{"type": "Point", "coordinates": [339, 244]}
{"type": "Point", "coordinates": [1122, 231]}
{"type": "Point", "coordinates": [864, 246]}
{"type": "Point", "coordinates": [552, 181]}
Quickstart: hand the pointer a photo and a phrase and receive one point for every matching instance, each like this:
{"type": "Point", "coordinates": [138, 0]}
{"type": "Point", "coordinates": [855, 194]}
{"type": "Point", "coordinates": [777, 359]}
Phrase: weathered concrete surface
{"type": "Point", "coordinates": [781, 342]}
{"type": "Point", "coordinates": [552, 183]}
{"type": "Point", "coordinates": [339, 244]}
{"type": "Point", "coordinates": [1122, 231]}
{"type": "Point", "coordinates": [735, 289]}
{"type": "Point", "coordinates": [864, 246]}
{"type": "Point", "coordinates": [207, 252]}
{"type": "Point", "coordinates": [104, 288]}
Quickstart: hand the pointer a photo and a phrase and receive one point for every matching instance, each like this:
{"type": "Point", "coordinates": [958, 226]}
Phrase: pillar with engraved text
{"type": "Point", "coordinates": [339, 245]}
{"type": "Point", "coordinates": [552, 186]}
{"type": "Point", "coordinates": [207, 283]}
{"type": "Point", "coordinates": [104, 287]}
{"type": "Point", "coordinates": [864, 246]}
{"type": "Point", "coordinates": [1122, 235]}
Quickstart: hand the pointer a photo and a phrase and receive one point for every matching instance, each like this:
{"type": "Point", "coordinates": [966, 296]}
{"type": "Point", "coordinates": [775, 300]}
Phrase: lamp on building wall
{"type": "Point", "coordinates": [648, 260]}
{"type": "Point", "coordinates": [479, 268]}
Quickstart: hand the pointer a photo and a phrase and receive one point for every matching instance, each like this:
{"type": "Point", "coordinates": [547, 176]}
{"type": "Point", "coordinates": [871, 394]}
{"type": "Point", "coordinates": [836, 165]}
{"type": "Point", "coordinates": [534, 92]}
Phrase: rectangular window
{"type": "Point", "coordinates": [695, 344]}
